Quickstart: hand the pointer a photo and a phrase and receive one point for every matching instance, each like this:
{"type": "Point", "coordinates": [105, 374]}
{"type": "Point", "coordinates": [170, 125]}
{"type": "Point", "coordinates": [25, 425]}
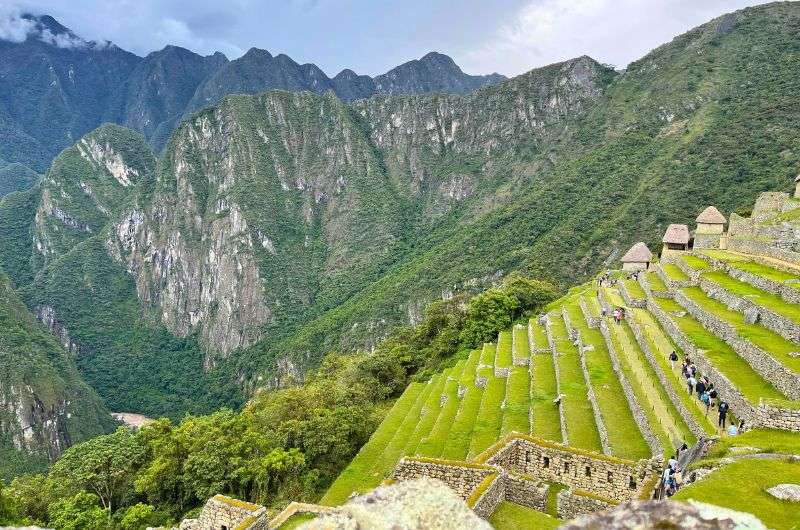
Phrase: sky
{"type": "Point", "coordinates": [372, 36]}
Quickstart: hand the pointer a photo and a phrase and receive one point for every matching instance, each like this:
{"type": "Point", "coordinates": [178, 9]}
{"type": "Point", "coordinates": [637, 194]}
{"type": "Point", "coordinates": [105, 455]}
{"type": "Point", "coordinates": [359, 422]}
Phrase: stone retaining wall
{"type": "Point", "coordinates": [785, 291]}
{"type": "Point", "coordinates": [590, 395]}
{"type": "Point", "coordinates": [786, 328]}
{"type": "Point", "coordinates": [298, 507]}
{"type": "Point", "coordinates": [532, 343]}
{"type": "Point", "coordinates": [764, 248]}
{"type": "Point", "coordinates": [526, 492]}
{"type": "Point", "coordinates": [591, 321]}
{"type": "Point", "coordinates": [649, 291]}
{"type": "Point", "coordinates": [639, 415]}
{"type": "Point", "coordinates": [554, 352]}
{"type": "Point", "coordinates": [666, 384]}
{"type": "Point", "coordinates": [225, 512]}
{"type": "Point", "coordinates": [461, 479]}
{"type": "Point", "coordinates": [784, 379]}
{"type": "Point", "coordinates": [629, 300]}
{"type": "Point", "coordinates": [671, 284]}
{"type": "Point", "coordinates": [691, 272]}
{"type": "Point", "coordinates": [610, 477]}
{"type": "Point", "coordinates": [777, 417]}
{"type": "Point", "coordinates": [726, 390]}
{"type": "Point", "coordinates": [570, 505]}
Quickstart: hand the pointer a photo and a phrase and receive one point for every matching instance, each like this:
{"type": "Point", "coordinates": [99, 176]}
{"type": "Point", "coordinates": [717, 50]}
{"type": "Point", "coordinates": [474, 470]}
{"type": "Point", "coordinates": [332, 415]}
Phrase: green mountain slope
{"type": "Point", "coordinates": [45, 406]}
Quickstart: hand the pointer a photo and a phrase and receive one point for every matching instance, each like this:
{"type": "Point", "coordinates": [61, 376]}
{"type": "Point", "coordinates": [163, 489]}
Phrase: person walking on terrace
{"type": "Point", "coordinates": [712, 393]}
{"type": "Point", "coordinates": [672, 358]}
{"type": "Point", "coordinates": [723, 412]}
{"type": "Point", "coordinates": [691, 381]}
{"type": "Point", "coordinates": [706, 399]}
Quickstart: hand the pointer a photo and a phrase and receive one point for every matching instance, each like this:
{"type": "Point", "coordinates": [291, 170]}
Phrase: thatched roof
{"type": "Point", "coordinates": [797, 178]}
{"type": "Point", "coordinates": [638, 253]}
{"type": "Point", "coordinates": [711, 216]}
{"type": "Point", "coordinates": [676, 234]}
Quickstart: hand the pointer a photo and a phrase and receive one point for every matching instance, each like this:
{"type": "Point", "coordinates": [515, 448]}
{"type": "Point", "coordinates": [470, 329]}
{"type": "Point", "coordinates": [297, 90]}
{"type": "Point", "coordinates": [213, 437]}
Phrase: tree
{"type": "Point", "coordinates": [80, 512]}
{"type": "Point", "coordinates": [488, 313]}
{"type": "Point", "coordinates": [9, 513]}
{"type": "Point", "coordinates": [104, 465]}
{"type": "Point", "coordinates": [139, 516]}
{"type": "Point", "coordinates": [532, 295]}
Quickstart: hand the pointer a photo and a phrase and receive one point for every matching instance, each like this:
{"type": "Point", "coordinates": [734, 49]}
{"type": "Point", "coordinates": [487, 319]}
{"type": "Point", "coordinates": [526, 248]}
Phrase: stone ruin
{"type": "Point", "coordinates": [227, 513]}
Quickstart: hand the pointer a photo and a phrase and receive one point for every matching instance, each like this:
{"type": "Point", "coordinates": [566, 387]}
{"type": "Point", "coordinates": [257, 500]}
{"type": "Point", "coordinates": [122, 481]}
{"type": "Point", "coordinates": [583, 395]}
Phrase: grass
{"type": "Point", "coordinates": [539, 336]}
{"type": "Point", "coordinates": [504, 357]}
{"type": "Point", "coordinates": [655, 282]}
{"type": "Point", "coordinates": [488, 354]}
{"type": "Point", "coordinates": [296, 520]}
{"type": "Point", "coordinates": [546, 419]}
{"type": "Point", "coordinates": [522, 349]}
{"type": "Point", "coordinates": [460, 436]}
{"type": "Point", "coordinates": [358, 475]}
{"type": "Point", "coordinates": [429, 414]}
{"type": "Point", "coordinates": [581, 428]}
{"type": "Point", "coordinates": [696, 263]}
{"type": "Point", "coordinates": [742, 486]}
{"type": "Point", "coordinates": [433, 445]}
{"type": "Point", "coordinates": [518, 401]}
{"type": "Point", "coordinates": [551, 506]}
{"type": "Point", "coordinates": [510, 516]}
{"type": "Point", "coordinates": [673, 272]}
{"type": "Point", "coordinates": [634, 289]}
{"type": "Point", "coordinates": [755, 268]}
{"type": "Point", "coordinates": [661, 346]}
{"type": "Point", "coordinates": [624, 435]}
{"type": "Point", "coordinates": [490, 415]}
{"type": "Point", "coordinates": [737, 370]}
{"type": "Point", "coordinates": [765, 440]}
{"type": "Point", "coordinates": [764, 338]}
{"type": "Point", "coordinates": [774, 303]}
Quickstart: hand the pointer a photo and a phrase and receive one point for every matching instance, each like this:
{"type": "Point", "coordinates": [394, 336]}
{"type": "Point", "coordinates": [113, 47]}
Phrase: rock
{"type": "Point", "coordinates": [641, 515]}
{"type": "Point", "coordinates": [751, 316]}
{"type": "Point", "coordinates": [786, 492]}
{"type": "Point", "coordinates": [410, 505]}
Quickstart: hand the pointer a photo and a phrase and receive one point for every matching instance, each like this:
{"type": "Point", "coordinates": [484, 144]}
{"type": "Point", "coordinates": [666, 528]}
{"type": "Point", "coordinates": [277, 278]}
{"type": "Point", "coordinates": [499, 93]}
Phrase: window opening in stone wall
{"type": "Point", "coordinates": [566, 467]}
{"type": "Point", "coordinates": [610, 476]}
{"type": "Point", "coordinates": [224, 527]}
{"type": "Point", "coordinates": [588, 471]}
{"type": "Point", "coordinates": [528, 457]}
{"type": "Point", "coordinates": [546, 461]}
{"type": "Point", "coordinates": [632, 483]}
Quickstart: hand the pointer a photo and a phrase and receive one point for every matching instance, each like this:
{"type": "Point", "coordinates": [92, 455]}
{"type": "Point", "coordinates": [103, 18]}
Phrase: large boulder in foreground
{"type": "Point", "coordinates": [411, 505]}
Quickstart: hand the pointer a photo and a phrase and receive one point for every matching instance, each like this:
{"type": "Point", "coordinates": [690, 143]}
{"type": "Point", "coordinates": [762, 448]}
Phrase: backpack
{"type": "Point", "coordinates": [673, 356]}
{"type": "Point", "coordinates": [723, 407]}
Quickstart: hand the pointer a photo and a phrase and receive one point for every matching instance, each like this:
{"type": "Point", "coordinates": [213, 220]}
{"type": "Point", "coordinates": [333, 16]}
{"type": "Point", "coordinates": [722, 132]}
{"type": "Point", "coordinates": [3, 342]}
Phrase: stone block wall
{"type": "Point", "coordinates": [608, 477]}
{"type": "Point", "coordinates": [626, 296]}
{"type": "Point", "coordinates": [649, 291]}
{"type": "Point", "coordinates": [592, 321]}
{"type": "Point", "coordinates": [570, 504]}
{"type": "Point", "coordinates": [486, 504]}
{"type": "Point", "coordinates": [691, 272]}
{"type": "Point", "coordinates": [706, 240]}
{"type": "Point", "coordinates": [784, 379]}
{"type": "Point", "coordinates": [225, 513]}
{"type": "Point", "coordinates": [460, 478]}
{"type": "Point", "coordinates": [777, 417]}
{"type": "Point", "coordinates": [787, 292]}
{"type": "Point", "coordinates": [727, 391]}
{"type": "Point", "coordinates": [644, 345]}
{"type": "Point", "coordinates": [525, 492]}
{"type": "Point", "coordinates": [554, 353]}
{"type": "Point", "coordinates": [671, 284]}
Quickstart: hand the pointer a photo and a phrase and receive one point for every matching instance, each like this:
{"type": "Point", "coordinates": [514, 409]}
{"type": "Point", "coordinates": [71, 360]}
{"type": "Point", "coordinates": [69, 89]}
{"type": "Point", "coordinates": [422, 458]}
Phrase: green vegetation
{"type": "Point", "coordinates": [539, 335]}
{"type": "Point", "coordinates": [522, 348]}
{"type": "Point", "coordinates": [435, 442]}
{"type": "Point", "coordinates": [518, 401]}
{"type": "Point", "coordinates": [296, 520]}
{"type": "Point", "coordinates": [673, 272]}
{"type": "Point", "coordinates": [762, 337]}
{"type": "Point", "coordinates": [745, 264]}
{"type": "Point", "coordinates": [742, 486]}
{"type": "Point", "coordinates": [546, 417]}
{"type": "Point", "coordinates": [510, 516]}
{"type": "Point", "coordinates": [763, 440]}
{"type": "Point", "coordinates": [767, 300]}
{"type": "Point", "coordinates": [578, 415]}
{"type": "Point", "coordinates": [504, 354]}
{"type": "Point", "coordinates": [489, 421]}
{"type": "Point", "coordinates": [655, 282]}
{"type": "Point", "coordinates": [724, 359]}
{"type": "Point", "coordinates": [624, 435]}
{"type": "Point", "coordinates": [695, 262]}
{"type": "Point", "coordinates": [634, 289]}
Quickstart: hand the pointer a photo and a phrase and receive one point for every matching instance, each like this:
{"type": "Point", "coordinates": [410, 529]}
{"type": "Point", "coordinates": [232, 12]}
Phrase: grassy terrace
{"type": "Point", "coordinates": [510, 516]}
{"type": "Point", "coordinates": [747, 381]}
{"type": "Point", "coordinates": [774, 303]}
{"type": "Point", "coordinates": [429, 414]}
{"type": "Point", "coordinates": [762, 337]}
{"type": "Point", "coordinates": [758, 269]}
{"type": "Point", "coordinates": [518, 401]}
{"type": "Point", "coordinates": [504, 358]}
{"type": "Point", "coordinates": [661, 346]}
{"type": "Point", "coordinates": [634, 289]}
{"type": "Point", "coordinates": [488, 354]}
{"type": "Point", "coordinates": [581, 429]}
{"type": "Point", "coordinates": [358, 476]}
{"type": "Point", "coordinates": [522, 349]}
{"type": "Point", "coordinates": [623, 434]}
{"type": "Point", "coordinates": [490, 415]}
{"type": "Point", "coordinates": [434, 443]}
{"type": "Point", "coordinates": [742, 486]}
{"type": "Point", "coordinates": [696, 263]}
{"type": "Point", "coordinates": [460, 435]}
{"type": "Point", "coordinates": [539, 335]}
{"type": "Point", "coordinates": [546, 419]}
{"type": "Point", "coordinates": [663, 417]}
{"type": "Point", "coordinates": [655, 282]}
{"type": "Point", "coordinates": [674, 273]}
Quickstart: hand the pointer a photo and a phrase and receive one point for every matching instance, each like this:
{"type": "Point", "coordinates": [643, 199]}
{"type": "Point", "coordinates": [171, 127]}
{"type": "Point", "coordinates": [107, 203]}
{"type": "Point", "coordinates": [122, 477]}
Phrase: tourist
{"type": "Point", "coordinates": [673, 462]}
{"type": "Point", "coordinates": [712, 393]}
{"type": "Point", "coordinates": [723, 412]}
{"type": "Point", "coordinates": [700, 388]}
{"type": "Point", "coordinates": [672, 358]}
{"type": "Point", "coordinates": [691, 381]}
{"type": "Point", "coordinates": [683, 448]}
{"type": "Point", "coordinates": [705, 399]}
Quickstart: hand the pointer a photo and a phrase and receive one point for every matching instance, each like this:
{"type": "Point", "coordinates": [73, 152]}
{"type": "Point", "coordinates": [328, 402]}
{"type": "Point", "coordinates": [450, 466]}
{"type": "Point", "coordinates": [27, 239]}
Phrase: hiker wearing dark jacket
{"type": "Point", "coordinates": [723, 412]}
{"type": "Point", "coordinates": [700, 387]}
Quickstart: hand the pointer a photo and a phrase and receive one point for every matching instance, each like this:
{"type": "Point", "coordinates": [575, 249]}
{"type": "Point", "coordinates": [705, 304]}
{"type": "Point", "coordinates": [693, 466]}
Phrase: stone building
{"type": "Point", "coordinates": [637, 258]}
{"type": "Point", "coordinates": [797, 187]}
{"type": "Point", "coordinates": [710, 229]}
{"type": "Point", "coordinates": [226, 513]}
{"type": "Point", "coordinates": [676, 240]}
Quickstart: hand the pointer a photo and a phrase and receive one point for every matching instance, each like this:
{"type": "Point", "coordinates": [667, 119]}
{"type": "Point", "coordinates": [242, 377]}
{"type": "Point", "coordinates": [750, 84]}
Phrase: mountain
{"type": "Point", "coordinates": [56, 87]}
{"type": "Point", "coordinates": [45, 406]}
{"type": "Point", "coordinates": [16, 177]}
{"type": "Point", "coordinates": [278, 226]}
{"type": "Point", "coordinates": [435, 72]}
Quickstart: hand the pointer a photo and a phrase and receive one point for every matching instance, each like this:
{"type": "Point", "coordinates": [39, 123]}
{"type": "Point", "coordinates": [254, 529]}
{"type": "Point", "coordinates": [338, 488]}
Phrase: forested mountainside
{"type": "Point", "coordinates": [278, 226]}
{"type": "Point", "coordinates": [45, 406]}
{"type": "Point", "coordinates": [56, 87]}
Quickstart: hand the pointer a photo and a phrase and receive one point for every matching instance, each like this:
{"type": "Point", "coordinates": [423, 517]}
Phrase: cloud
{"type": "Point", "coordinates": [13, 27]}
{"type": "Point", "coordinates": [612, 31]}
